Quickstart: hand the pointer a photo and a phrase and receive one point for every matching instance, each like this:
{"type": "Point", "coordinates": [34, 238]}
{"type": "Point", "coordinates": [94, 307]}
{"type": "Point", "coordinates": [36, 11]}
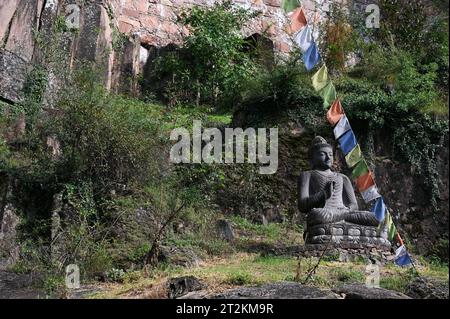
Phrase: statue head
{"type": "Point", "coordinates": [320, 154]}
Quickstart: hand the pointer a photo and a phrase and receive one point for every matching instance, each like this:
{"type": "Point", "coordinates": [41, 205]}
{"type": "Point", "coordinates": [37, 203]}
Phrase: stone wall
{"type": "Point", "coordinates": [146, 24]}
{"type": "Point", "coordinates": [155, 21]}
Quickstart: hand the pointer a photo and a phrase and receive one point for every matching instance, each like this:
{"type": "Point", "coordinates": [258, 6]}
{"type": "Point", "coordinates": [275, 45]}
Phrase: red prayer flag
{"type": "Point", "coordinates": [335, 112]}
{"type": "Point", "coordinates": [298, 20]}
{"type": "Point", "coordinates": [363, 182]}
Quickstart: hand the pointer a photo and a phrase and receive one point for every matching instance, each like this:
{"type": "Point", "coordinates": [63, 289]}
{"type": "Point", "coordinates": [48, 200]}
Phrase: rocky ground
{"type": "Point", "coordinates": [14, 286]}
{"type": "Point", "coordinates": [252, 261]}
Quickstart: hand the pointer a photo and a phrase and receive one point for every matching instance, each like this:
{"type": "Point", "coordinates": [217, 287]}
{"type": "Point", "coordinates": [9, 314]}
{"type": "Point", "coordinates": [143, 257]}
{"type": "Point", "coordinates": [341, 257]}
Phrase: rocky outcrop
{"type": "Point", "coordinates": [178, 256]}
{"type": "Point", "coordinates": [13, 72]}
{"type": "Point", "coordinates": [180, 286]}
{"type": "Point", "coordinates": [356, 291]}
{"type": "Point", "coordinates": [97, 31]}
{"type": "Point", "coordinates": [424, 288]}
{"type": "Point", "coordinates": [14, 286]}
{"type": "Point", "coordinates": [292, 290]}
{"type": "Point", "coordinates": [278, 290]}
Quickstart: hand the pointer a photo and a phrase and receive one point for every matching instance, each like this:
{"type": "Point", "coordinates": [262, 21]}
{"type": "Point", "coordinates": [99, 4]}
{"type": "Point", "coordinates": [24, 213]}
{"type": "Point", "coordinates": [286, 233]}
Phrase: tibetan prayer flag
{"type": "Point", "coordinates": [379, 209]}
{"type": "Point", "coordinates": [320, 79]}
{"type": "Point", "coordinates": [392, 230]}
{"type": "Point", "coordinates": [388, 226]}
{"type": "Point", "coordinates": [365, 181]}
{"type": "Point", "coordinates": [311, 57]}
{"type": "Point", "coordinates": [328, 93]}
{"type": "Point", "coordinates": [370, 194]}
{"type": "Point", "coordinates": [402, 257]}
{"type": "Point", "coordinates": [304, 38]}
{"type": "Point", "coordinates": [289, 5]}
{"type": "Point", "coordinates": [341, 127]}
{"type": "Point", "coordinates": [335, 112]}
{"type": "Point", "coordinates": [360, 169]}
{"type": "Point", "coordinates": [347, 142]}
{"type": "Point", "coordinates": [298, 20]}
{"type": "Point", "coordinates": [354, 156]}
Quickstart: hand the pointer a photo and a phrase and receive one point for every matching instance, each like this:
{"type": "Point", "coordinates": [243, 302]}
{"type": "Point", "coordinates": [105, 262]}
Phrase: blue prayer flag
{"type": "Point", "coordinates": [311, 57]}
{"type": "Point", "coordinates": [347, 142]}
{"type": "Point", "coordinates": [402, 257]}
{"type": "Point", "coordinates": [379, 209]}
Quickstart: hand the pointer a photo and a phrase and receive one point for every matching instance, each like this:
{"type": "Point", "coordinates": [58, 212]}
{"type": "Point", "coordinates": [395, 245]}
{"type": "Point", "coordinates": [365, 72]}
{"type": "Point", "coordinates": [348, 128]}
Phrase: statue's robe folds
{"type": "Point", "coordinates": [341, 206]}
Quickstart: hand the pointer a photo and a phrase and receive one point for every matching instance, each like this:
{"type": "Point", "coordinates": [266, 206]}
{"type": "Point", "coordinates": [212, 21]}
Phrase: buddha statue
{"type": "Point", "coordinates": [329, 201]}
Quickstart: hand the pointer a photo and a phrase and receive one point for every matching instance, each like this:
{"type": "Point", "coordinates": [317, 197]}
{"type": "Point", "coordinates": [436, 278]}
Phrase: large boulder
{"type": "Point", "coordinates": [178, 256]}
{"type": "Point", "coordinates": [180, 286]}
{"type": "Point", "coordinates": [277, 290]}
{"type": "Point", "coordinates": [358, 291]}
{"type": "Point", "coordinates": [424, 288]}
{"type": "Point", "coordinates": [13, 74]}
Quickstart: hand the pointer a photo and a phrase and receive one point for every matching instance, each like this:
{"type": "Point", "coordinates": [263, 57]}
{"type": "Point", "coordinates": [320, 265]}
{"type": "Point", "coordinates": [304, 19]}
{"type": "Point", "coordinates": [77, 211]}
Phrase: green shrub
{"type": "Point", "coordinates": [239, 279]}
{"type": "Point", "coordinates": [348, 275]}
{"type": "Point", "coordinates": [211, 66]}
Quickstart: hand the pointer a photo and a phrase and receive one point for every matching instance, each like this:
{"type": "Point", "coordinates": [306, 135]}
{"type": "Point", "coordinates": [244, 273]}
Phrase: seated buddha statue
{"type": "Point", "coordinates": [328, 199]}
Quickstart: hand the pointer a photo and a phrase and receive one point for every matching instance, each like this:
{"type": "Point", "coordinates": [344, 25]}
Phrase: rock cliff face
{"type": "Point", "coordinates": [116, 34]}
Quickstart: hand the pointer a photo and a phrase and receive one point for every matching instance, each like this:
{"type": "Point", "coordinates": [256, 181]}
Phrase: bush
{"type": "Point", "coordinates": [211, 66]}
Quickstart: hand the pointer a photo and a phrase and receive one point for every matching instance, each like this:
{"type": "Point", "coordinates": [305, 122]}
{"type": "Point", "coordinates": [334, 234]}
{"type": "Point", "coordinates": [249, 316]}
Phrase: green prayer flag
{"type": "Point", "coordinates": [320, 79]}
{"type": "Point", "coordinates": [360, 169]}
{"type": "Point", "coordinates": [391, 232]}
{"type": "Point", "coordinates": [328, 93]}
{"type": "Point", "coordinates": [354, 156]}
{"type": "Point", "coordinates": [390, 227]}
{"type": "Point", "coordinates": [290, 5]}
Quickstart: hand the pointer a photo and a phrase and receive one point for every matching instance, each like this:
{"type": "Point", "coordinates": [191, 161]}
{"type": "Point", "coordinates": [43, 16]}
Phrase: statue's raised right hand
{"type": "Point", "coordinates": [329, 189]}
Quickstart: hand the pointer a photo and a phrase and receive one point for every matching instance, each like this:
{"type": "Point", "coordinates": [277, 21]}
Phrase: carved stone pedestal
{"type": "Point", "coordinates": [344, 232]}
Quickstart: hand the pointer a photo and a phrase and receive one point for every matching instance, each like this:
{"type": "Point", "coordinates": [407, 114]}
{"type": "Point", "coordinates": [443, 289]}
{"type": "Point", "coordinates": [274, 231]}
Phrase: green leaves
{"type": "Point", "coordinates": [289, 5]}
{"type": "Point", "coordinates": [212, 64]}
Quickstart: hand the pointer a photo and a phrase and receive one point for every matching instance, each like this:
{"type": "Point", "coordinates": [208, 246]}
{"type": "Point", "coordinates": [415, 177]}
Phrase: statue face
{"type": "Point", "coordinates": [323, 158]}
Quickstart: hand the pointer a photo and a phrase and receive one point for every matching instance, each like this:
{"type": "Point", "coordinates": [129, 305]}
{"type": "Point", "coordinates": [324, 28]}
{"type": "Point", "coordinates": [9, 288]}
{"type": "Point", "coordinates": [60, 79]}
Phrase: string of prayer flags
{"type": "Point", "coordinates": [379, 209]}
{"type": "Point", "coordinates": [320, 78]}
{"type": "Point", "coordinates": [328, 94]}
{"type": "Point", "coordinates": [354, 156]}
{"type": "Point", "coordinates": [341, 127]}
{"type": "Point", "coordinates": [365, 181]}
{"type": "Point", "coordinates": [311, 57]}
{"type": "Point", "coordinates": [402, 257]}
{"type": "Point", "coordinates": [370, 194]}
{"type": "Point", "coordinates": [304, 39]}
{"type": "Point", "coordinates": [361, 173]}
{"type": "Point", "coordinates": [289, 5]}
{"type": "Point", "coordinates": [347, 142]}
{"type": "Point", "coordinates": [335, 112]}
{"type": "Point", "coordinates": [360, 169]}
{"type": "Point", "coordinates": [298, 20]}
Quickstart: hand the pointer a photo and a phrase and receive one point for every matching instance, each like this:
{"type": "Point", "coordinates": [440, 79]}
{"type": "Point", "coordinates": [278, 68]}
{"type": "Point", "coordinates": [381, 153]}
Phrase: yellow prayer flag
{"type": "Point", "coordinates": [354, 156]}
{"type": "Point", "coordinates": [320, 79]}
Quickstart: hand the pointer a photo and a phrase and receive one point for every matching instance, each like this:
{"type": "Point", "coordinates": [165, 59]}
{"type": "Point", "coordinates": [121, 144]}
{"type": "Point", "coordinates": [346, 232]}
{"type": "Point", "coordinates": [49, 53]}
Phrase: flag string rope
{"type": "Point", "coordinates": [361, 173]}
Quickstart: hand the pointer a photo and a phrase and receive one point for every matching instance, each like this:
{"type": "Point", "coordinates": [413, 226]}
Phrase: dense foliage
{"type": "Point", "coordinates": [211, 66]}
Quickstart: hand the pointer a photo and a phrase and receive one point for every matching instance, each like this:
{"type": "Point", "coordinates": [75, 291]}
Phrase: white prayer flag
{"type": "Point", "coordinates": [304, 38]}
{"type": "Point", "coordinates": [341, 127]}
{"type": "Point", "coordinates": [370, 194]}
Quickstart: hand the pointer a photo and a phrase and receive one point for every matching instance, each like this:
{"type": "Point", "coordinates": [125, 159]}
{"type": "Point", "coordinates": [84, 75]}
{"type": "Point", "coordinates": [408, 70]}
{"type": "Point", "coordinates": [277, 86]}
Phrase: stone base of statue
{"type": "Point", "coordinates": [345, 232]}
{"type": "Point", "coordinates": [343, 252]}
